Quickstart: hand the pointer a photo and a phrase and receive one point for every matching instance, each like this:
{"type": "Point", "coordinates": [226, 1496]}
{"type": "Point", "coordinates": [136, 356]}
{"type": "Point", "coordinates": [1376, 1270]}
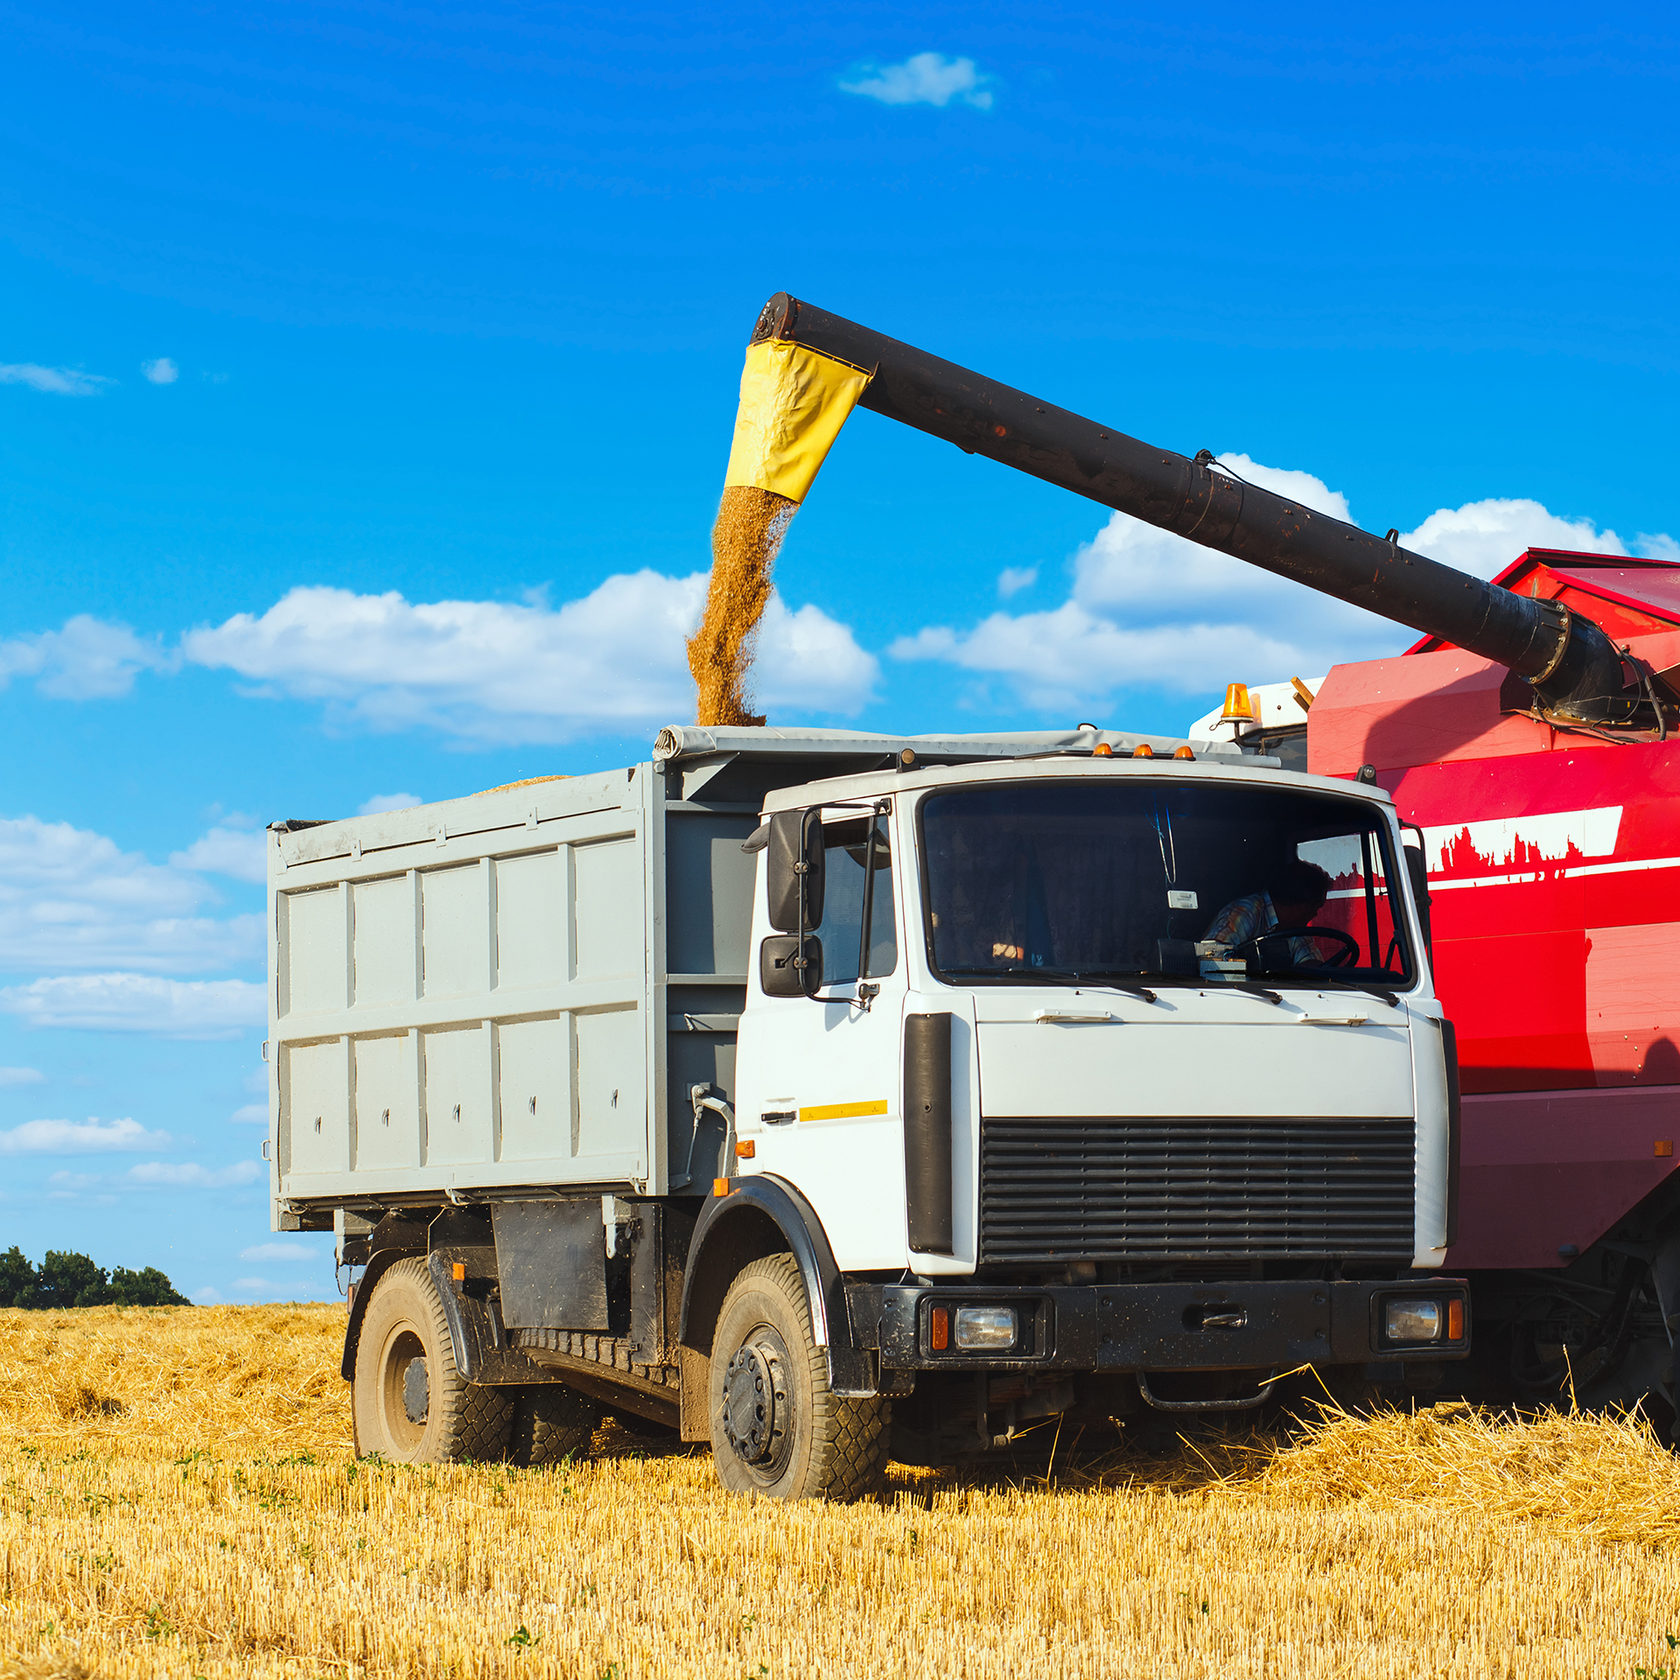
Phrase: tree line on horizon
{"type": "Point", "coordinates": [73, 1280]}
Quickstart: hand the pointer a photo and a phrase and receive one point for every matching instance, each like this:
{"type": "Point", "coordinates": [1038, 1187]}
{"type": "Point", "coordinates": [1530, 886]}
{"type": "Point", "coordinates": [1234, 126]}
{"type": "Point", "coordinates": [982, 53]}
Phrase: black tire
{"type": "Point", "coordinates": [408, 1398]}
{"type": "Point", "coordinates": [551, 1423]}
{"type": "Point", "coordinates": [778, 1431]}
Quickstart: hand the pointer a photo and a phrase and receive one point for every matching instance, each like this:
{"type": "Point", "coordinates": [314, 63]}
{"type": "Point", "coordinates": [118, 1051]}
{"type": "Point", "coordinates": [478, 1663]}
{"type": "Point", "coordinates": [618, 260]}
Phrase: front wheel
{"type": "Point", "coordinates": [778, 1431]}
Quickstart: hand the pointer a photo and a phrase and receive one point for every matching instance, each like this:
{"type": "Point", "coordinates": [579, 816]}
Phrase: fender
{"type": "Point", "coordinates": [760, 1216]}
{"type": "Point", "coordinates": [482, 1354]}
{"type": "Point", "coordinates": [481, 1351]}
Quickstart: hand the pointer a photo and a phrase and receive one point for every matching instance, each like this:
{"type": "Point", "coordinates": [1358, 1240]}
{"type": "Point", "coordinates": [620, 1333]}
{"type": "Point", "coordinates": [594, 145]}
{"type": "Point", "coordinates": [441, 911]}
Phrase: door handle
{"type": "Point", "coordinates": [1072, 1017]}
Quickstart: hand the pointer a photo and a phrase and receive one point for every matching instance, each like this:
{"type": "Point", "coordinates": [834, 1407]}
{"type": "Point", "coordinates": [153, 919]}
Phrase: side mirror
{"type": "Point", "coordinates": [793, 865]}
{"type": "Point", "coordinates": [789, 966]}
{"type": "Point", "coordinates": [1417, 871]}
{"type": "Point", "coordinates": [1177, 956]}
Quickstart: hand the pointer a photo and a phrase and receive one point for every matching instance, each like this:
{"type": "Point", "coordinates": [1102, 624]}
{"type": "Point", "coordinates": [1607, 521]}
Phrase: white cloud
{"type": "Point", "coordinates": [10, 1076]}
{"type": "Point", "coordinates": [495, 671]}
{"type": "Point", "coordinates": [241, 853]}
{"type": "Point", "coordinates": [382, 802]}
{"type": "Point", "coordinates": [252, 1283]}
{"type": "Point", "coordinates": [1485, 537]}
{"type": "Point", "coordinates": [927, 78]}
{"type": "Point", "coordinates": [250, 1114]}
{"type": "Point", "coordinates": [71, 898]}
{"type": "Point", "coordinates": [1013, 579]}
{"type": "Point", "coordinates": [208, 1297]}
{"type": "Point", "coordinates": [197, 1009]}
{"type": "Point", "coordinates": [58, 381]}
{"type": "Point", "coordinates": [1149, 609]}
{"type": "Point", "coordinates": [79, 1137]}
{"type": "Point", "coordinates": [161, 370]}
{"type": "Point", "coordinates": [279, 1251]}
{"type": "Point", "coordinates": [191, 1176]}
{"type": "Point", "coordinates": [88, 659]}
{"type": "Point", "coordinates": [1060, 659]}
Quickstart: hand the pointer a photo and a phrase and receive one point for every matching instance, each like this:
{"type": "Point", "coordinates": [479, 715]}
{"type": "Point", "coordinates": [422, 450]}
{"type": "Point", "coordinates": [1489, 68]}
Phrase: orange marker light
{"type": "Point", "coordinates": [939, 1329]}
{"type": "Point", "coordinates": [1184, 752]}
{"type": "Point", "coordinates": [459, 1272]}
{"type": "Point", "coordinates": [746, 1149]}
{"type": "Point", "coordinates": [1102, 750]}
{"type": "Point", "coordinates": [1239, 704]}
{"type": "Point", "coordinates": [1455, 1319]}
{"type": "Point", "coordinates": [1143, 750]}
{"type": "Point", "coordinates": [1662, 1148]}
{"type": "Point", "coordinates": [720, 1186]}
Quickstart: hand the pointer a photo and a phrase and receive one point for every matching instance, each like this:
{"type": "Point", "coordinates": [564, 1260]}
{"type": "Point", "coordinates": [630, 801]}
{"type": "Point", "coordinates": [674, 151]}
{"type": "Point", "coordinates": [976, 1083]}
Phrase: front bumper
{"type": "Point", "coordinates": [1156, 1326]}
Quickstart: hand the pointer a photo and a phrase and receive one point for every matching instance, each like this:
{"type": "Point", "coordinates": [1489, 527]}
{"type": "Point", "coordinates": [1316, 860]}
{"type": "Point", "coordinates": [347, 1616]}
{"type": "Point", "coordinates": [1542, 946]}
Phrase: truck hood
{"type": "Point", "coordinates": [1088, 1052]}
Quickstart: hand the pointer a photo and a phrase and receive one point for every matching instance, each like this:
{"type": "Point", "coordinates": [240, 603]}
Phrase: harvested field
{"type": "Point", "coordinates": [177, 1497]}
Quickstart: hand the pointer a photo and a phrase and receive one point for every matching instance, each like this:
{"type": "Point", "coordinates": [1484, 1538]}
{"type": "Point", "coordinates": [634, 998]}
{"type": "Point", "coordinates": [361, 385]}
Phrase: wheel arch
{"type": "Point", "coordinates": [761, 1216]}
{"type": "Point", "coordinates": [361, 1292]}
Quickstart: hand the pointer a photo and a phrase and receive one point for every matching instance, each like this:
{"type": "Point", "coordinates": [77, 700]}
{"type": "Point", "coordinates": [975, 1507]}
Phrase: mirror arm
{"type": "Point", "coordinates": [868, 905]}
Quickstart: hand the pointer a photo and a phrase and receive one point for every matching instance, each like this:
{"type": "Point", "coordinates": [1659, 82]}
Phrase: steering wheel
{"type": "Point", "coordinates": [1345, 957]}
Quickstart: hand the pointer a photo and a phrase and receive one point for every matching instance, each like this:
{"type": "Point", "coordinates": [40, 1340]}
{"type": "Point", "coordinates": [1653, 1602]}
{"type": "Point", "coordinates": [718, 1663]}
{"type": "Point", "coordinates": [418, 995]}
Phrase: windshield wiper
{"type": "Point", "coordinates": [1111, 980]}
{"type": "Point", "coordinates": [1253, 988]}
{"type": "Point", "coordinates": [1359, 986]}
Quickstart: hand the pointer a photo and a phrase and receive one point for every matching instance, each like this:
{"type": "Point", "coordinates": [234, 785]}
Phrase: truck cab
{"type": "Point", "coordinates": [1053, 1132]}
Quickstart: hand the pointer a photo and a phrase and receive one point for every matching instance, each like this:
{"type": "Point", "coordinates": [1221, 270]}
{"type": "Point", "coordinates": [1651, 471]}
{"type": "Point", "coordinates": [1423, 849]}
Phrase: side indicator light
{"type": "Point", "coordinates": [1143, 750]}
{"type": "Point", "coordinates": [1102, 750]}
{"type": "Point", "coordinates": [745, 1149]}
{"type": "Point", "coordinates": [939, 1329]}
{"type": "Point", "coordinates": [720, 1186]}
{"type": "Point", "coordinates": [459, 1272]}
{"type": "Point", "coordinates": [1455, 1319]}
{"type": "Point", "coordinates": [1183, 752]}
{"type": "Point", "coordinates": [1662, 1148]}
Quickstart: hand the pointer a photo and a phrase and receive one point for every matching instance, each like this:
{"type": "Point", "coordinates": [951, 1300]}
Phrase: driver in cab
{"type": "Point", "coordinates": [1293, 896]}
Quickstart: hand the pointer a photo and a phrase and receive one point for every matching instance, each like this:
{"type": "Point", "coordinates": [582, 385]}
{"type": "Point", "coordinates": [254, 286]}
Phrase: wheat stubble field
{"type": "Point", "coordinates": [178, 1498]}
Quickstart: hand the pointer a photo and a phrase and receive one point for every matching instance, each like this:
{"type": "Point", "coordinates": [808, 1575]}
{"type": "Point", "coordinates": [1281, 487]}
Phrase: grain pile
{"type": "Point", "coordinates": [177, 1498]}
{"type": "Point", "coordinates": [749, 530]}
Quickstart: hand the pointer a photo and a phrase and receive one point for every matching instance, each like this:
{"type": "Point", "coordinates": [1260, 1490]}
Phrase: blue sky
{"type": "Point", "coordinates": [366, 381]}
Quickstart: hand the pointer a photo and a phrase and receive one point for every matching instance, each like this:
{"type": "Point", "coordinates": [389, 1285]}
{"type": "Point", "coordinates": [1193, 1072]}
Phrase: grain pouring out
{"type": "Point", "coordinates": [793, 404]}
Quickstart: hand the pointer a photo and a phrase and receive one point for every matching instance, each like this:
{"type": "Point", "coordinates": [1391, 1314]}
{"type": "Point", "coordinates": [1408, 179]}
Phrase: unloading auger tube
{"type": "Point", "coordinates": [1576, 672]}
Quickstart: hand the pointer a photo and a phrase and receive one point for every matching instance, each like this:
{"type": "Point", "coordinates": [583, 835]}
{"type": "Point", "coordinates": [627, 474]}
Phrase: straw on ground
{"type": "Point", "coordinates": [178, 1497]}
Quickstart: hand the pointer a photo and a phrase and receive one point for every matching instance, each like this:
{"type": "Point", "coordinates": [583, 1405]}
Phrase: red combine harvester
{"type": "Point", "coordinates": [1533, 737]}
{"type": "Point", "coordinates": [1553, 851]}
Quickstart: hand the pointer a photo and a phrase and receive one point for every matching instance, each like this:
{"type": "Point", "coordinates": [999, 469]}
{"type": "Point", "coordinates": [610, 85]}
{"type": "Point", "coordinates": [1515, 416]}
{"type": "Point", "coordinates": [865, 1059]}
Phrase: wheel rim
{"type": "Point", "coordinates": [757, 1412]}
{"type": "Point", "coordinates": [404, 1389]}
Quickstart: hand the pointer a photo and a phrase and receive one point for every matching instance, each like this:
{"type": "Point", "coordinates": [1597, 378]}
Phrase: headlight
{"type": "Point", "coordinates": [1413, 1321]}
{"type": "Point", "coordinates": [984, 1327]}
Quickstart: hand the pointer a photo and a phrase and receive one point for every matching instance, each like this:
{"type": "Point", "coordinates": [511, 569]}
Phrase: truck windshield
{"type": "Point", "coordinates": [1078, 880]}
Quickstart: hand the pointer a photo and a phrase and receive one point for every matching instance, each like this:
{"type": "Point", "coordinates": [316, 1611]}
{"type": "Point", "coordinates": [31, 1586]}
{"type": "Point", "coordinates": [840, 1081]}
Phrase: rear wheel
{"type": "Point", "coordinates": [551, 1423]}
{"type": "Point", "coordinates": [409, 1399]}
{"type": "Point", "coordinates": [778, 1430]}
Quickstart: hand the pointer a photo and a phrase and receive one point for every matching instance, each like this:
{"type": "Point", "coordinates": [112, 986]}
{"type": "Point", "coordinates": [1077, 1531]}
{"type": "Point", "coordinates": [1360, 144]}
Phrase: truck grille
{"type": "Point", "coordinates": [1110, 1189]}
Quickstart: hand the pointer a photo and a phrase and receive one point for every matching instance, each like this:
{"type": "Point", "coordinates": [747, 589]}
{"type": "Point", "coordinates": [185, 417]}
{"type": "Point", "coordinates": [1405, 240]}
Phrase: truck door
{"type": "Point", "coordinates": [820, 1083]}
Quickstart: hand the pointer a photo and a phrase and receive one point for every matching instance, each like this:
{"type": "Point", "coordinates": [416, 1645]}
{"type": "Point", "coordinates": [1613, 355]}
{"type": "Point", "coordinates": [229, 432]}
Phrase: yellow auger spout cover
{"type": "Point", "coordinates": [793, 403]}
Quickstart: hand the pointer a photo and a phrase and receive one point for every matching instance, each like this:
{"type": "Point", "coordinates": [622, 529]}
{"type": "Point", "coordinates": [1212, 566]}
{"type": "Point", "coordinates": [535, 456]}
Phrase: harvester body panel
{"type": "Point", "coordinates": [1554, 875]}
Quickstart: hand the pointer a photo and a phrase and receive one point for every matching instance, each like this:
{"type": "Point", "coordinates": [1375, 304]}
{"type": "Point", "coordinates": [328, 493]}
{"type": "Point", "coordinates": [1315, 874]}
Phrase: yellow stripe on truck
{"type": "Point", "coordinates": [844, 1111]}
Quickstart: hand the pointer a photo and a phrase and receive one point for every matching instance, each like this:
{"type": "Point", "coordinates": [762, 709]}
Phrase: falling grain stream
{"type": "Point", "coordinates": [749, 530]}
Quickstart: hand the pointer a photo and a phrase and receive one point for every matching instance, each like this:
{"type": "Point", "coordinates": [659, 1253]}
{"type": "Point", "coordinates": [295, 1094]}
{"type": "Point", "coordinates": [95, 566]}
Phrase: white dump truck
{"type": "Point", "coordinates": [829, 1096]}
